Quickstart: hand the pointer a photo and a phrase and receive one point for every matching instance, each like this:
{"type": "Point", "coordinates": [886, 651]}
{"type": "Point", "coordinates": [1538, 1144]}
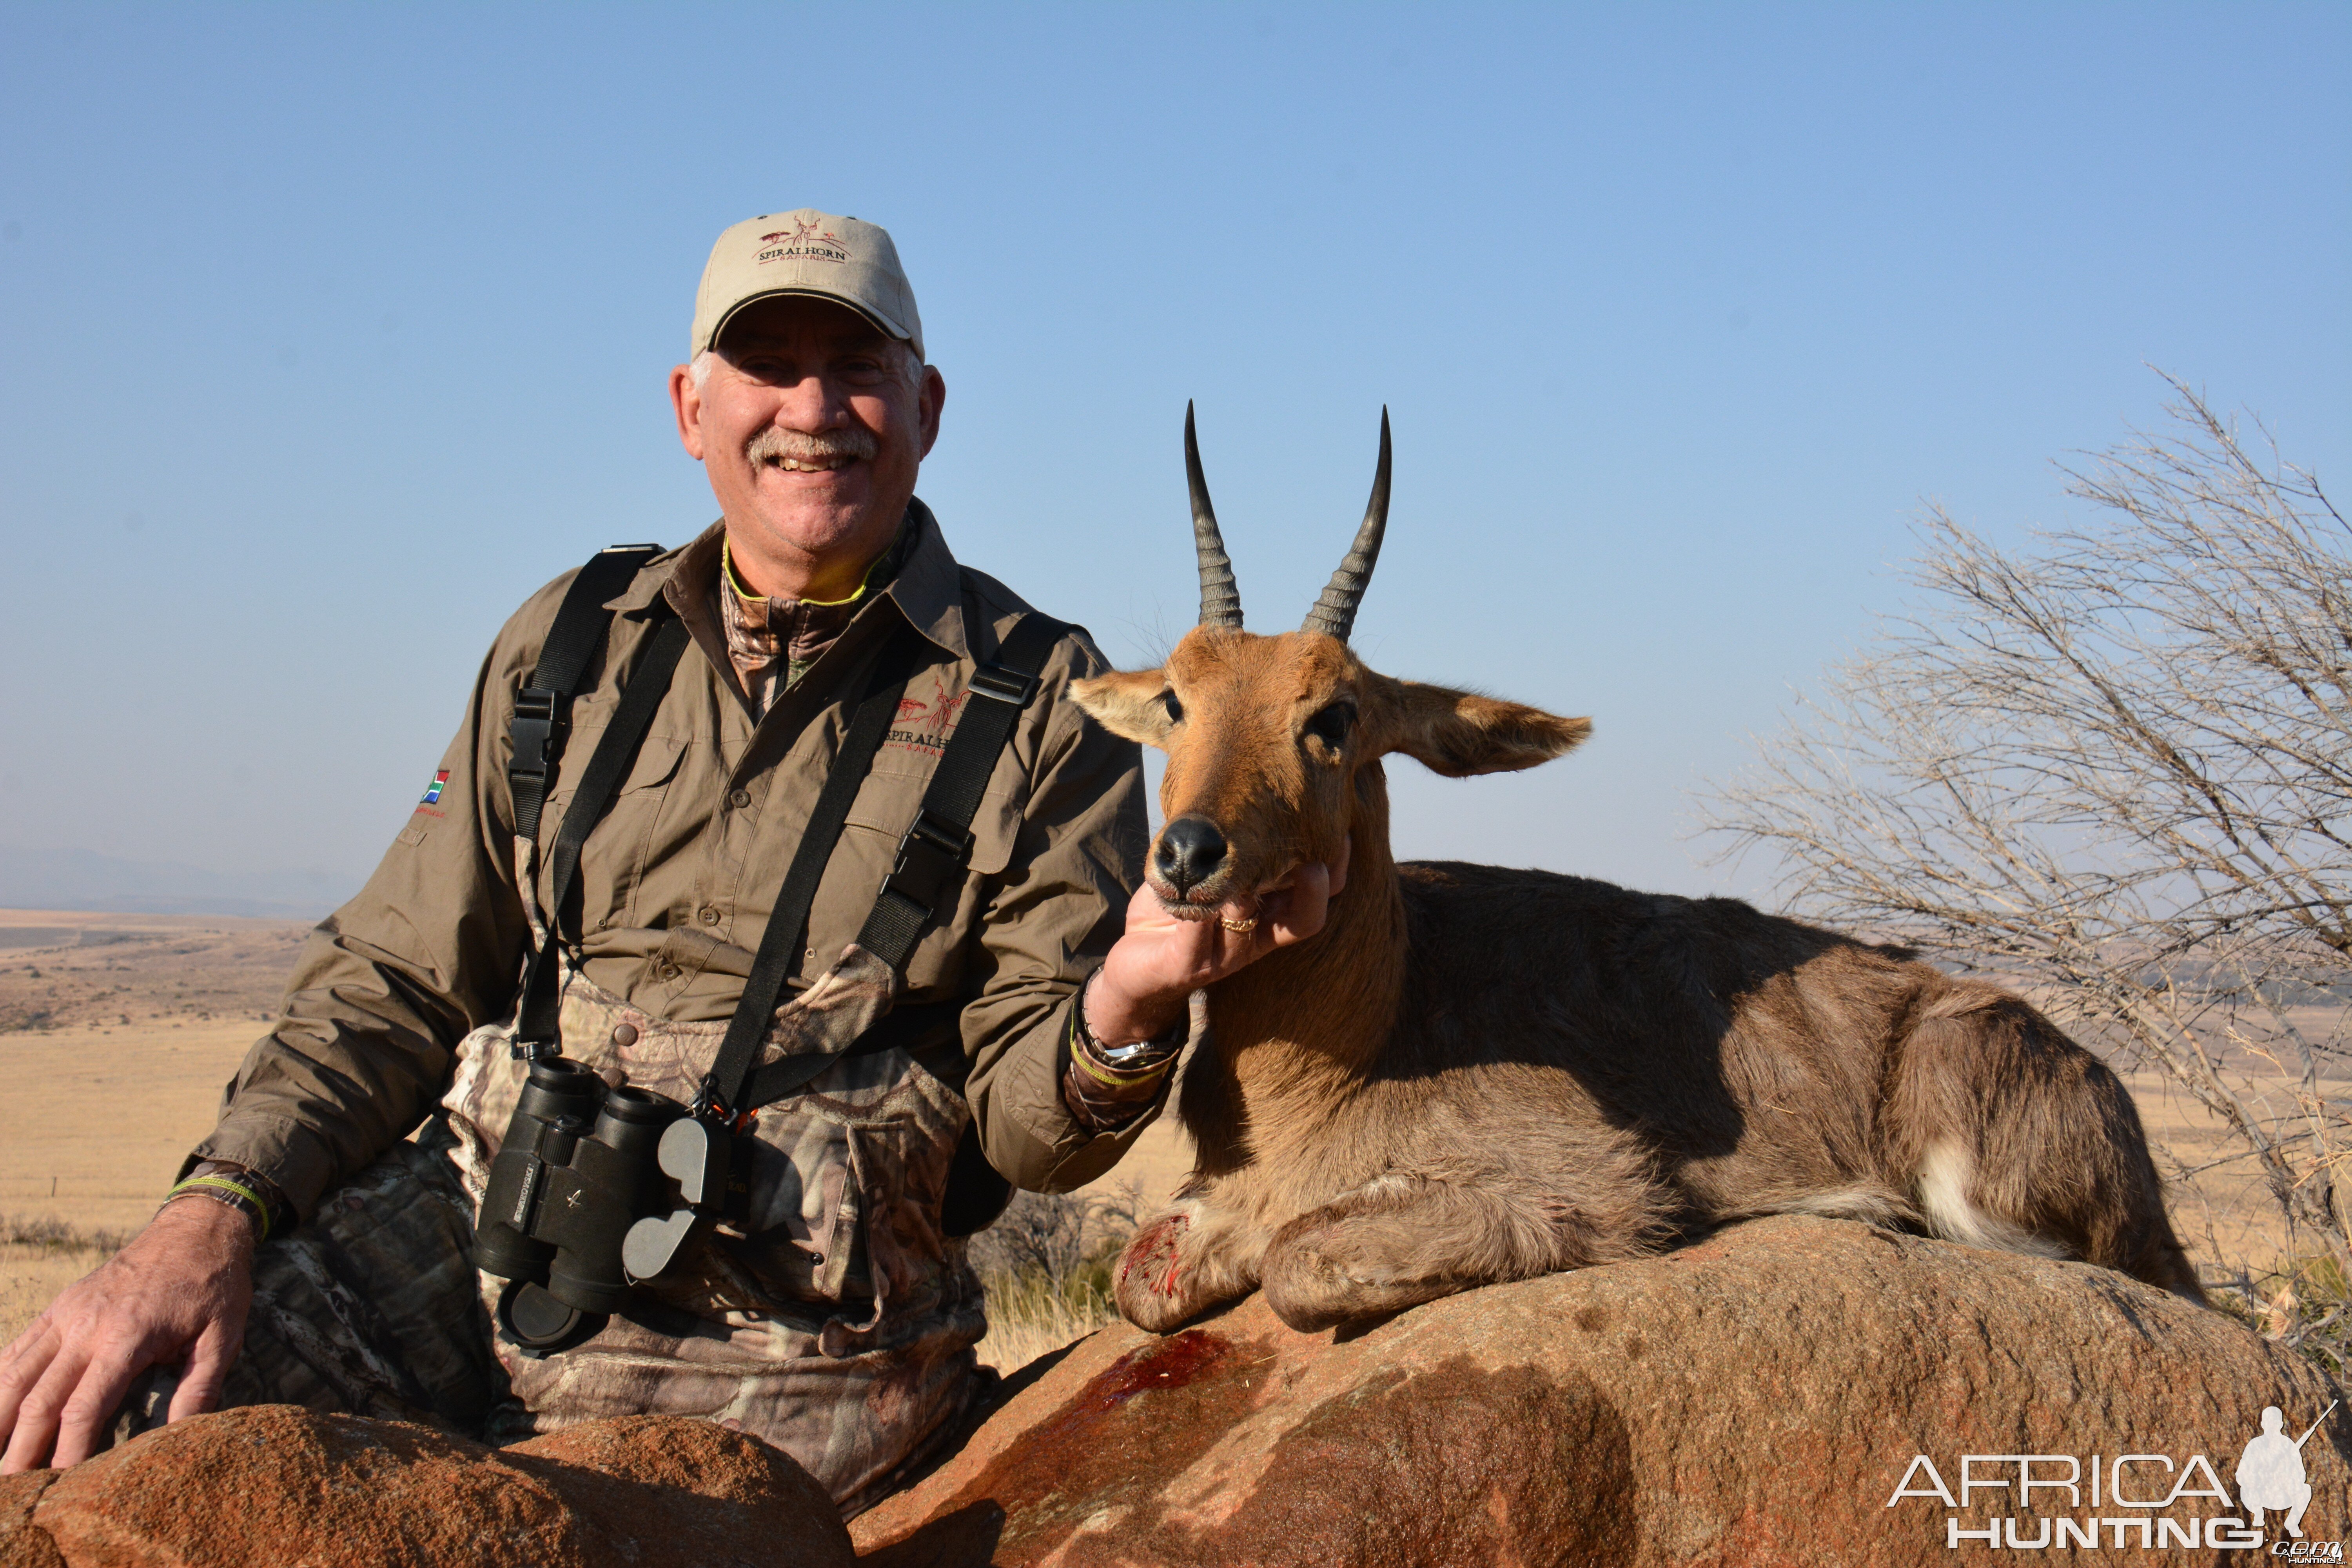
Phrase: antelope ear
{"type": "Point", "coordinates": [1459, 733]}
{"type": "Point", "coordinates": [1127, 703]}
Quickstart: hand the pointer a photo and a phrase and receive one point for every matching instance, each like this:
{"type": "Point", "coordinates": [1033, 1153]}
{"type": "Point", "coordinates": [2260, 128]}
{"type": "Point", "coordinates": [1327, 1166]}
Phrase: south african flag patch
{"type": "Point", "coordinates": [432, 795]}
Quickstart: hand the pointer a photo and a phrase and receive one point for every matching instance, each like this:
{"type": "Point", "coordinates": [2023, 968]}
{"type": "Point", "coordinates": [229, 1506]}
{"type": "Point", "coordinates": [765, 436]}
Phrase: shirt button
{"type": "Point", "coordinates": [738, 798]}
{"type": "Point", "coordinates": [624, 1034]}
{"type": "Point", "coordinates": [709, 914]}
{"type": "Point", "coordinates": [668, 972]}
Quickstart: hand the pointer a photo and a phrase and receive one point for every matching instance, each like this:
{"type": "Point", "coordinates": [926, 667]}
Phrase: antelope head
{"type": "Point", "coordinates": [1274, 742]}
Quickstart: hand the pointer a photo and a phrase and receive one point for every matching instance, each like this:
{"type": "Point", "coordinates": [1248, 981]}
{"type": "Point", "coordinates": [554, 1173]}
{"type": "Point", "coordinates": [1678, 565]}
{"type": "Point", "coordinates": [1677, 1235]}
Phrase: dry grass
{"type": "Point", "coordinates": [102, 1120]}
{"type": "Point", "coordinates": [40, 1255]}
{"type": "Point", "coordinates": [121, 1032]}
{"type": "Point", "coordinates": [1046, 1265]}
{"type": "Point", "coordinates": [1028, 1319]}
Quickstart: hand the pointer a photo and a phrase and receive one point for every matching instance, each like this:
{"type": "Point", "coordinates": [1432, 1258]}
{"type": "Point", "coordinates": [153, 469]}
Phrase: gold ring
{"type": "Point", "coordinates": [1239, 928]}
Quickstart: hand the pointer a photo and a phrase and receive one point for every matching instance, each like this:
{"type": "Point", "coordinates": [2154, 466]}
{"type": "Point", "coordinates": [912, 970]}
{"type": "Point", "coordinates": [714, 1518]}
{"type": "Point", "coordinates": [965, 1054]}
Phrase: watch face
{"type": "Point", "coordinates": [1134, 1055]}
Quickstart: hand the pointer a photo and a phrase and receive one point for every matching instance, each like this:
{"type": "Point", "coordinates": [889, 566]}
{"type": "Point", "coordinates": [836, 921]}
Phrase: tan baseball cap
{"type": "Point", "coordinates": [806, 252]}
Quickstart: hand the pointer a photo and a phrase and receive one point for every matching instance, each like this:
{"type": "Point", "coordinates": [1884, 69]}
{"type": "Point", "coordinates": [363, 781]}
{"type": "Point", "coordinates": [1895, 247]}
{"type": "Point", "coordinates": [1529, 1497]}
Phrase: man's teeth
{"type": "Point", "coordinates": [811, 465]}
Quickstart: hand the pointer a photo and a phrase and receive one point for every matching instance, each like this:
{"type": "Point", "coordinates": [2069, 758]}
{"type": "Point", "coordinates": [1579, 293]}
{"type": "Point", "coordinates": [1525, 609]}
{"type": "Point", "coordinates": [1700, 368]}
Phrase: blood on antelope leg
{"type": "Point", "coordinates": [1152, 1253]}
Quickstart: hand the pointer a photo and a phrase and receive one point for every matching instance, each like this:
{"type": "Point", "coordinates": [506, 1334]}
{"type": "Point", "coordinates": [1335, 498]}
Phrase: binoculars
{"type": "Point", "coordinates": [577, 1211]}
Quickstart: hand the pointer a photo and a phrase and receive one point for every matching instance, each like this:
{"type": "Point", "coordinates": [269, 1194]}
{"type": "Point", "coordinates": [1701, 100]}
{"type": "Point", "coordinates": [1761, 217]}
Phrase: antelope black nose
{"type": "Point", "coordinates": [1190, 850]}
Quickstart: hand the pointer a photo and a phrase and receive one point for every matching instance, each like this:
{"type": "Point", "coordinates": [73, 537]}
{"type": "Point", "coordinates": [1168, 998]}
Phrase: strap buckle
{"type": "Point", "coordinates": [999, 684]}
{"type": "Point", "coordinates": [931, 854]}
{"type": "Point", "coordinates": [534, 730]}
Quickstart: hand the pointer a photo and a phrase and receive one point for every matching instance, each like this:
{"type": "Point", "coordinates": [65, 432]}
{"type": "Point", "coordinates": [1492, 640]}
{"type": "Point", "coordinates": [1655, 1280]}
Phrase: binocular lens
{"type": "Point", "coordinates": [538, 1323]}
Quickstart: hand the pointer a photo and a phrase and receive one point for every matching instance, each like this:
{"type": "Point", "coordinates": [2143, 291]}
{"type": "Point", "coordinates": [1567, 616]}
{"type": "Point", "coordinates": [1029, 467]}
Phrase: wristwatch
{"type": "Point", "coordinates": [1140, 1056]}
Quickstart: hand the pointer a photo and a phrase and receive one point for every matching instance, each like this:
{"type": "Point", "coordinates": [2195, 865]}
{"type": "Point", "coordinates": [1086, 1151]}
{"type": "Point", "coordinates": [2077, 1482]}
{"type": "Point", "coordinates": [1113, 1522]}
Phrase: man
{"type": "Point", "coordinates": [312, 1255]}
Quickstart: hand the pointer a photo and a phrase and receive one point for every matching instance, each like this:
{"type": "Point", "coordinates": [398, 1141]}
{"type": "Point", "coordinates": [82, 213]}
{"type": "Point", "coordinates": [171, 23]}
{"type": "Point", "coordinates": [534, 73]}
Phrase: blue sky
{"type": "Point", "coordinates": [328, 332]}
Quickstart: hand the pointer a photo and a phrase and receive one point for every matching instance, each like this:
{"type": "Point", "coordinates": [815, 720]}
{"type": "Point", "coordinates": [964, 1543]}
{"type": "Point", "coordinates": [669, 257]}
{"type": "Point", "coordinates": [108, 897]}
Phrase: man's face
{"type": "Point", "coordinates": [811, 429]}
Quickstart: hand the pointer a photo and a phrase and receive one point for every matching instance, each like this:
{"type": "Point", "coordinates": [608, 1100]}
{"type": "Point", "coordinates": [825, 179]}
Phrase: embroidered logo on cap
{"type": "Point", "coordinates": [804, 241]}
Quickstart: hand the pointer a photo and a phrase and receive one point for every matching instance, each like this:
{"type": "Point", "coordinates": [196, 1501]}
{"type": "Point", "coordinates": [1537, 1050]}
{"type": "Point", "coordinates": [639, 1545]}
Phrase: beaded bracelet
{"type": "Point", "coordinates": [242, 1196]}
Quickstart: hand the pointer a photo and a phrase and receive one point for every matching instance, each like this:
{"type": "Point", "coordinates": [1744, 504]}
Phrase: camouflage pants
{"type": "Point", "coordinates": [834, 1319]}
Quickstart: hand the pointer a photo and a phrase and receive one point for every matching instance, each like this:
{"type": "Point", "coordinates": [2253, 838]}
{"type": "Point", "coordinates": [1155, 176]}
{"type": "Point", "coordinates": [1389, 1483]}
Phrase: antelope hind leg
{"type": "Point", "coordinates": [1399, 1240]}
{"type": "Point", "coordinates": [1188, 1261]}
{"type": "Point", "coordinates": [2020, 1141]}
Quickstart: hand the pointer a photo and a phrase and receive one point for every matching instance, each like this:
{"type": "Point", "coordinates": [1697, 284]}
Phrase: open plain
{"type": "Point", "coordinates": [120, 1031]}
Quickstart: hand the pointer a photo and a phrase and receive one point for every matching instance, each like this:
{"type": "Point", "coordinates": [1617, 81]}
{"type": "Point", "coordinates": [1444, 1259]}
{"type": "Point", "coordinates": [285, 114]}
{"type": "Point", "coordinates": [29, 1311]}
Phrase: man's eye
{"type": "Point", "coordinates": [1175, 709]}
{"type": "Point", "coordinates": [1332, 724]}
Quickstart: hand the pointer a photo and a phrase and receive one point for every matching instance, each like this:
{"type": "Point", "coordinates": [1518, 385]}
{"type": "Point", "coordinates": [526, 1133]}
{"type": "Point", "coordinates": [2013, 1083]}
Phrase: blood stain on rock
{"type": "Point", "coordinates": [1456, 1464]}
{"type": "Point", "coordinates": [1093, 1454]}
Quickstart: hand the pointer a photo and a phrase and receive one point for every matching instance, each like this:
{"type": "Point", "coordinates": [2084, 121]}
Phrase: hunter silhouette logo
{"type": "Point", "coordinates": [2270, 1472]}
{"type": "Point", "coordinates": [806, 240]}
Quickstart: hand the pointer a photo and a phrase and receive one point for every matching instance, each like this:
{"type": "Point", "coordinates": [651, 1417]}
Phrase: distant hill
{"type": "Point", "coordinates": [85, 879]}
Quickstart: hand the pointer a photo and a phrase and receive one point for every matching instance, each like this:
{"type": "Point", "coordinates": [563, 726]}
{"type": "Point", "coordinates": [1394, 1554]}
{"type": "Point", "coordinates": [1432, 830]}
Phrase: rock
{"type": "Point", "coordinates": [274, 1484]}
{"type": "Point", "coordinates": [702, 1493]}
{"type": "Point", "coordinates": [1754, 1400]}
{"type": "Point", "coordinates": [21, 1546]}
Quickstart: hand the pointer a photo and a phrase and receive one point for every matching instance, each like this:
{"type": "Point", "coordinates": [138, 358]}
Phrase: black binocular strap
{"type": "Point", "coordinates": [932, 858]}
{"type": "Point", "coordinates": [537, 726]}
{"type": "Point", "coordinates": [772, 964]}
{"type": "Point", "coordinates": [536, 1023]}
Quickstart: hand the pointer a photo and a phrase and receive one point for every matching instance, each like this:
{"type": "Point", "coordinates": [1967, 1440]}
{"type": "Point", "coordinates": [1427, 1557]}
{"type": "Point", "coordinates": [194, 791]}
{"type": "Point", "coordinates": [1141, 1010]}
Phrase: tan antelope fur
{"type": "Point", "coordinates": [1475, 1074]}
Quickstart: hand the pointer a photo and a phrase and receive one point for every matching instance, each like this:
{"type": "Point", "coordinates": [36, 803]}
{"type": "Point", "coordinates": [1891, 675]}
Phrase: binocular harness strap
{"type": "Point", "coordinates": [539, 722]}
{"type": "Point", "coordinates": [932, 858]}
{"type": "Point", "coordinates": [773, 965]}
{"type": "Point", "coordinates": [536, 1021]}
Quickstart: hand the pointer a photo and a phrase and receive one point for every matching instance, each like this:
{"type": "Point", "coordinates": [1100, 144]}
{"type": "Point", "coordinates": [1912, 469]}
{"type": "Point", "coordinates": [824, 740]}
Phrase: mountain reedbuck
{"type": "Point", "coordinates": [1475, 1074]}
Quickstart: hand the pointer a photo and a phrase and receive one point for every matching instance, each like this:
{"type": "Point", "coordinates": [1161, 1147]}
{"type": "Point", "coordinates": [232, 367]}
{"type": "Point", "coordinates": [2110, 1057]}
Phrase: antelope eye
{"type": "Point", "coordinates": [1332, 724]}
{"type": "Point", "coordinates": [1175, 709]}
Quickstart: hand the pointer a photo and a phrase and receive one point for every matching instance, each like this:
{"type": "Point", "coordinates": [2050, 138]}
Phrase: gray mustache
{"type": "Point", "coordinates": [772, 445]}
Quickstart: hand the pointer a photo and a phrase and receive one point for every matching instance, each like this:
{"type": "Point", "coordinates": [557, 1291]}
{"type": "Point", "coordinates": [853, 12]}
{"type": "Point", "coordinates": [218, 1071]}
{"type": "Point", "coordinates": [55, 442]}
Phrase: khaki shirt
{"type": "Point", "coordinates": [675, 882]}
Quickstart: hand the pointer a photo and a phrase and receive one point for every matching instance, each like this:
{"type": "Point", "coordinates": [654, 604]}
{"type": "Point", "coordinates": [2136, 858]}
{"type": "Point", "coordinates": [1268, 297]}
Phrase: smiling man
{"type": "Point", "coordinates": [943, 1005]}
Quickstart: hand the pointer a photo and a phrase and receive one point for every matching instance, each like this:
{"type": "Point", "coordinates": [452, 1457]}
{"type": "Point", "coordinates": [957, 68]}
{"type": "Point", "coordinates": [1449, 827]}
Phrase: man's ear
{"type": "Point", "coordinates": [1128, 704]}
{"type": "Point", "coordinates": [686, 402]}
{"type": "Point", "coordinates": [1458, 733]}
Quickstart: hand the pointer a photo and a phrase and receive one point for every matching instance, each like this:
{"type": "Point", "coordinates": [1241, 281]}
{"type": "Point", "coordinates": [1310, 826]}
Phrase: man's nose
{"type": "Point", "coordinates": [811, 404]}
{"type": "Point", "coordinates": [1190, 852]}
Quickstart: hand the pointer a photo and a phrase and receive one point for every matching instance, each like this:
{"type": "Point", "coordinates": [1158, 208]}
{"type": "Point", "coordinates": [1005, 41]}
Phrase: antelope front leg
{"type": "Point", "coordinates": [1399, 1240]}
{"type": "Point", "coordinates": [1188, 1261]}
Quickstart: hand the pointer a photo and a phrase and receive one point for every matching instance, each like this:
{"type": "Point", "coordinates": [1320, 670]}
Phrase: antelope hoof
{"type": "Point", "coordinates": [1312, 1291]}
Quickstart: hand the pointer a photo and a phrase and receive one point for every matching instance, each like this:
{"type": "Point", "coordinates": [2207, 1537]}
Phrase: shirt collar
{"type": "Point", "coordinates": [928, 590]}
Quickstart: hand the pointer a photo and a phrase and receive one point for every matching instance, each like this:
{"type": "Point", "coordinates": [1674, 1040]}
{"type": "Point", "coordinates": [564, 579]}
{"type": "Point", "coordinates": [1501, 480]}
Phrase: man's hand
{"type": "Point", "coordinates": [1162, 959]}
{"type": "Point", "coordinates": [179, 1293]}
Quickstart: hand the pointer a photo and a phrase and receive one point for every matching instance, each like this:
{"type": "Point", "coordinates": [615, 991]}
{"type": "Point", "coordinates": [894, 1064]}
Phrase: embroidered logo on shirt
{"type": "Point", "coordinates": [925, 726]}
{"type": "Point", "coordinates": [432, 793]}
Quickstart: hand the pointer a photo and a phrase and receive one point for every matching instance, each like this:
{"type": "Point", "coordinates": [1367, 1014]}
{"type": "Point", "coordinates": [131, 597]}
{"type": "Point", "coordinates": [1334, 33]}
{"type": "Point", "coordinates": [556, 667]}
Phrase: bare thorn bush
{"type": "Point", "coordinates": [2114, 768]}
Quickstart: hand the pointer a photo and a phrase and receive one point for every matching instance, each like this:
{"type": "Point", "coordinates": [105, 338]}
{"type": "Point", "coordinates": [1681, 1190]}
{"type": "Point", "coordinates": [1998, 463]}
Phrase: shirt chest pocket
{"type": "Point", "coordinates": [612, 864]}
{"type": "Point", "coordinates": [869, 850]}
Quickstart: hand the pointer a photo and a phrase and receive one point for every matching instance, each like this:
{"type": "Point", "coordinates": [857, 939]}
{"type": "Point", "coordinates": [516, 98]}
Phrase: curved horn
{"type": "Point", "coordinates": [1335, 613]}
{"type": "Point", "coordinates": [1221, 601]}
